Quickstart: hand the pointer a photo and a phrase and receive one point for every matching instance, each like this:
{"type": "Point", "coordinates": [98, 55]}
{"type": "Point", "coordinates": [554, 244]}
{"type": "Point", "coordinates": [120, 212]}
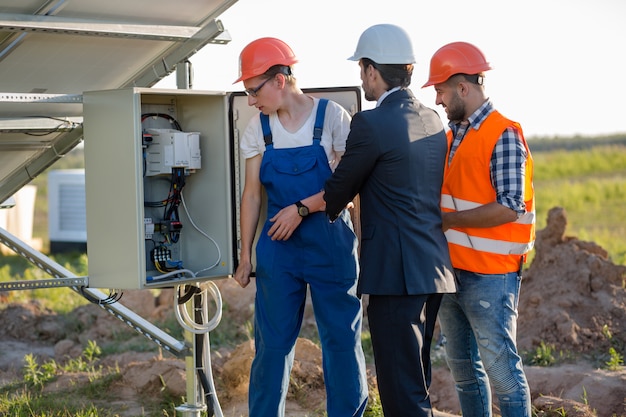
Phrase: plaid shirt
{"type": "Point", "coordinates": [508, 159]}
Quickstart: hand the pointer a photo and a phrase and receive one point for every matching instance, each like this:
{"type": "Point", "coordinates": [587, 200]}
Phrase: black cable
{"type": "Point", "coordinates": [166, 116]}
{"type": "Point", "coordinates": [58, 128]}
{"type": "Point", "coordinates": [160, 203]}
{"type": "Point", "coordinates": [209, 395]}
{"type": "Point", "coordinates": [113, 297]}
{"type": "Point", "coordinates": [191, 290]}
{"type": "Point", "coordinates": [177, 183]}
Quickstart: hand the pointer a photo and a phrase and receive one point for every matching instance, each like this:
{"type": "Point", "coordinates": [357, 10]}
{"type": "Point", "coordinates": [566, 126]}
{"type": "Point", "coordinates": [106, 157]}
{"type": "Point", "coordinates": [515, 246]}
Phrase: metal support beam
{"type": "Point", "coordinates": [41, 98]}
{"type": "Point", "coordinates": [44, 283]}
{"type": "Point", "coordinates": [45, 159]}
{"type": "Point", "coordinates": [141, 325]}
{"type": "Point", "coordinates": [210, 33]}
{"type": "Point", "coordinates": [184, 75]}
{"type": "Point", "coordinates": [26, 23]}
{"type": "Point", "coordinates": [11, 42]}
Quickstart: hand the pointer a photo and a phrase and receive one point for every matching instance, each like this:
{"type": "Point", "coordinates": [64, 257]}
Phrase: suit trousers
{"type": "Point", "coordinates": [402, 328]}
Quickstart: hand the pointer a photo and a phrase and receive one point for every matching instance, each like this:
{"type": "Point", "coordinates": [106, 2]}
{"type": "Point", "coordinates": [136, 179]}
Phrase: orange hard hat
{"type": "Point", "coordinates": [456, 58]}
{"type": "Point", "coordinates": [262, 54]}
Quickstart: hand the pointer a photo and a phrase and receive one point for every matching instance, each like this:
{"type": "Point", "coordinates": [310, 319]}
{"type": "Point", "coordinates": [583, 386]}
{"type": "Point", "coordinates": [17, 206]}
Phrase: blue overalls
{"type": "Point", "coordinates": [319, 254]}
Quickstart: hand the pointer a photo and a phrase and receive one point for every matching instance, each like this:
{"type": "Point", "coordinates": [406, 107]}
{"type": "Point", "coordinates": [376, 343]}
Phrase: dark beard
{"type": "Point", "coordinates": [456, 109]}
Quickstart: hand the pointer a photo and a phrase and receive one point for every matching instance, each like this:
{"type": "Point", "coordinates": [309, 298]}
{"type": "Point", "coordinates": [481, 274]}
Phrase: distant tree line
{"type": "Point", "coordinates": [544, 143]}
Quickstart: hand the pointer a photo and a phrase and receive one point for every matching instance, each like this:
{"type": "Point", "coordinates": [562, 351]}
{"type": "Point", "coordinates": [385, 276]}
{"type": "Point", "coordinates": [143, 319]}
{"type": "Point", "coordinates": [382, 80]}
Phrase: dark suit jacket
{"type": "Point", "coordinates": [394, 160]}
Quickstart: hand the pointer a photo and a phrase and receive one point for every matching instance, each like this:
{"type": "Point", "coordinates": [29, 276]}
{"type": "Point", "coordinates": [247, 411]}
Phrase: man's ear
{"type": "Point", "coordinates": [463, 88]}
{"type": "Point", "coordinates": [371, 72]}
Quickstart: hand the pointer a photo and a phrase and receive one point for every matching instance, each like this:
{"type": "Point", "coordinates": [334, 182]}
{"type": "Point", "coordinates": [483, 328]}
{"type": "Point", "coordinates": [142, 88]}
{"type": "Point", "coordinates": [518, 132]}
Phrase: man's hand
{"type": "Point", "coordinates": [445, 221]}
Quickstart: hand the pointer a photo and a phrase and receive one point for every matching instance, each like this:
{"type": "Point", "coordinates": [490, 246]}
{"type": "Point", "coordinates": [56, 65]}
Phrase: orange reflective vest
{"type": "Point", "coordinates": [467, 184]}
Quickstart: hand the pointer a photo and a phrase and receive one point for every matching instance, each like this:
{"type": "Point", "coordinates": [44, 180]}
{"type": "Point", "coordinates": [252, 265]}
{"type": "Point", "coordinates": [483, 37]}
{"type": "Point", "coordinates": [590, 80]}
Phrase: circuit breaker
{"type": "Point", "coordinates": [159, 190]}
{"type": "Point", "coordinates": [163, 182]}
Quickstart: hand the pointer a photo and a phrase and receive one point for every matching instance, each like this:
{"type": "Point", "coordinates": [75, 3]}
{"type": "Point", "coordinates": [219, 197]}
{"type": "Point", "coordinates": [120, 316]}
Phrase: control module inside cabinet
{"type": "Point", "coordinates": [159, 187]}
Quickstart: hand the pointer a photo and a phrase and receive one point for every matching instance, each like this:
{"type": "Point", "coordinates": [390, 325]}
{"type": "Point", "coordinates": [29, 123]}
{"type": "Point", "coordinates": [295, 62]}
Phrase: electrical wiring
{"type": "Point", "coordinates": [205, 377]}
{"type": "Point", "coordinates": [160, 203]}
{"type": "Point", "coordinates": [203, 368]}
{"type": "Point", "coordinates": [182, 313]}
{"type": "Point", "coordinates": [170, 212]}
{"type": "Point", "coordinates": [174, 264]}
{"type": "Point", "coordinates": [157, 204]}
{"type": "Point", "coordinates": [63, 125]}
{"type": "Point", "coordinates": [160, 257]}
{"type": "Point", "coordinates": [113, 297]}
{"type": "Point", "coordinates": [160, 254]}
{"type": "Point", "coordinates": [178, 273]}
{"type": "Point", "coordinates": [203, 233]}
{"type": "Point", "coordinates": [165, 116]}
{"type": "Point", "coordinates": [190, 291]}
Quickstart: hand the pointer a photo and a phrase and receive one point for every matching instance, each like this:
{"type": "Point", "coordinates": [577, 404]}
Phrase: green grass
{"type": "Point", "coordinates": [590, 184]}
{"type": "Point", "coordinates": [61, 300]}
{"type": "Point", "coordinates": [28, 397]}
{"type": "Point", "coordinates": [579, 163]}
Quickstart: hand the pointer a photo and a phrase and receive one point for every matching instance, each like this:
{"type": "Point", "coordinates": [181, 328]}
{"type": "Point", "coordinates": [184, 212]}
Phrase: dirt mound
{"type": "Point", "coordinates": [572, 296]}
{"type": "Point", "coordinates": [306, 385]}
{"type": "Point", "coordinates": [573, 299]}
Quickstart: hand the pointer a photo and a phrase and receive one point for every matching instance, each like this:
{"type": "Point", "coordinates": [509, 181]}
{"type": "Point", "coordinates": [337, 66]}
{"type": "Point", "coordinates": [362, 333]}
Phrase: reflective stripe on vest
{"type": "Point", "coordinates": [456, 204]}
{"type": "Point", "coordinates": [500, 247]}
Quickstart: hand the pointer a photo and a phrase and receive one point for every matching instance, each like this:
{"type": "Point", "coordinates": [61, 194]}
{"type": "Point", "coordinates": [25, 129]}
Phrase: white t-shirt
{"type": "Point", "coordinates": [334, 134]}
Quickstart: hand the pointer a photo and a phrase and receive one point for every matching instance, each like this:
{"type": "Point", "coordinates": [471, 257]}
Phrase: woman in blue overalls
{"type": "Point", "coordinates": [287, 150]}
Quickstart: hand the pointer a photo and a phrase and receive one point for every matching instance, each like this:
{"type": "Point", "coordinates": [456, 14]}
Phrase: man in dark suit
{"type": "Point", "coordinates": [394, 161]}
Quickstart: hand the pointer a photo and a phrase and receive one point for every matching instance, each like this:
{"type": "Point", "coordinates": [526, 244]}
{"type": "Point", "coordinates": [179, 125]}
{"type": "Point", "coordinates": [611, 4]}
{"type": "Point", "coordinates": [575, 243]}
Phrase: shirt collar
{"type": "Point", "coordinates": [385, 94]}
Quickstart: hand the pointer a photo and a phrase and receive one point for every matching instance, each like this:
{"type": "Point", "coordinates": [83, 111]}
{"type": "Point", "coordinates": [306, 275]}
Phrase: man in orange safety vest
{"type": "Point", "coordinates": [488, 217]}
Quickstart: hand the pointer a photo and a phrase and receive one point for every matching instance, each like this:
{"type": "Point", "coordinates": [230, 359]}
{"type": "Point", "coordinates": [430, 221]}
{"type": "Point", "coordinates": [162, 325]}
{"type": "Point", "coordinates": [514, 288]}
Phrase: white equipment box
{"type": "Point", "coordinates": [171, 148]}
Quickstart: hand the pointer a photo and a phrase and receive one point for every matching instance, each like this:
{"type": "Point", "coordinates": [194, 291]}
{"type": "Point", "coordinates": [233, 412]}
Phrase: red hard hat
{"type": "Point", "coordinates": [262, 54]}
{"type": "Point", "coordinates": [456, 58]}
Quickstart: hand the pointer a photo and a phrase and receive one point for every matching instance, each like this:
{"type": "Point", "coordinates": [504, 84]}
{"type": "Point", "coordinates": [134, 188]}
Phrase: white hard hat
{"type": "Point", "coordinates": [385, 44]}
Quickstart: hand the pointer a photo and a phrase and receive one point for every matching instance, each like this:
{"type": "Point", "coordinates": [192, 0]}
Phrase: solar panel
{"type": "Point", "coordinates": [53, 51]}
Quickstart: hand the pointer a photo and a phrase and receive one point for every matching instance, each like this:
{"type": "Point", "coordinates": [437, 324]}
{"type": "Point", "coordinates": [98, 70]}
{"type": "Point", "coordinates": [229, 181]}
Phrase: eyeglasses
{"type": "Point", "coordinates": [253, 91]}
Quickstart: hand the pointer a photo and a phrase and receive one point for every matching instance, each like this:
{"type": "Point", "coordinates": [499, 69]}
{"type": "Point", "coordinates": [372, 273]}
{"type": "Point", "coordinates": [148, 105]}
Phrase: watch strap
{"type": "Point", "coordinates": [303, 210]}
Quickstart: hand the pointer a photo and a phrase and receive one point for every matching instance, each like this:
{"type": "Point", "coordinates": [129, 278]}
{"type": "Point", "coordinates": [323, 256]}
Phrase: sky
{"type": "Point", "coordinates": [559, 66]}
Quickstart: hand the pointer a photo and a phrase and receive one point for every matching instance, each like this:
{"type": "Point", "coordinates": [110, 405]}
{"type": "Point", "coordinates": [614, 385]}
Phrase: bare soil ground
{"type": "Point", "coordinates": [573, 299]}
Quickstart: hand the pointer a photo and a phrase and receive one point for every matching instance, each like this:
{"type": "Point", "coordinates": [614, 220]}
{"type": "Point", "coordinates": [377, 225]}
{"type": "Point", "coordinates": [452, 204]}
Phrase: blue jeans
{"type": "Point", "coordinates": [479, 325]}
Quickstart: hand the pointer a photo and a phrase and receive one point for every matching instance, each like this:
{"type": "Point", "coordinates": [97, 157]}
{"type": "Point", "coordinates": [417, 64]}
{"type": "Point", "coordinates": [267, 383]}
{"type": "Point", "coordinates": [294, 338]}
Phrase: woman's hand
{"type": "Point", "coordinates": [242, 275]}
{"type": "Point", "coordinates": [285, 223]}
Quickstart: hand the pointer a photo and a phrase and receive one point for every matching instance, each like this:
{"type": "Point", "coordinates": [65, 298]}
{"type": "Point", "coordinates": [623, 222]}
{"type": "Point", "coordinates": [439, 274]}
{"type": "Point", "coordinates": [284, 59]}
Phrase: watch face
{"type": "Point", "coordinates": [303, 211]}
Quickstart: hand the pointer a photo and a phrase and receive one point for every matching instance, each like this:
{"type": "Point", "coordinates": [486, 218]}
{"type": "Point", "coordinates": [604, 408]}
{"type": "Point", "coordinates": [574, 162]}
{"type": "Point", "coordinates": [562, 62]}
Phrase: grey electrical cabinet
{"type": "Point", "coordinates": [163, 180]}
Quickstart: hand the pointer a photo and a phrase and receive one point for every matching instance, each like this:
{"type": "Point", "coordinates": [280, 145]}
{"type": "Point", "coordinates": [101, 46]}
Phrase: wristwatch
{"type": "Point", "coordinates": [303, 210]}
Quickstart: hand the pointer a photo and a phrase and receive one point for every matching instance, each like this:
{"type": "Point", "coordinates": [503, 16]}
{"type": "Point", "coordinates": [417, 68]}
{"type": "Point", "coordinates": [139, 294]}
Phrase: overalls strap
{"type": "Point", "coordinates": [265, 125]}
{"type": "Point", "coordinates": [317, 128]}
{"type": "Point", "coordinates": [319, 119]}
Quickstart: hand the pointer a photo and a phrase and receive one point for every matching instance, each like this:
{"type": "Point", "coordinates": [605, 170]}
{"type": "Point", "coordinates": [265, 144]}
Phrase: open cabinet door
{"type": "Point", "coordinates": [240, 114]}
